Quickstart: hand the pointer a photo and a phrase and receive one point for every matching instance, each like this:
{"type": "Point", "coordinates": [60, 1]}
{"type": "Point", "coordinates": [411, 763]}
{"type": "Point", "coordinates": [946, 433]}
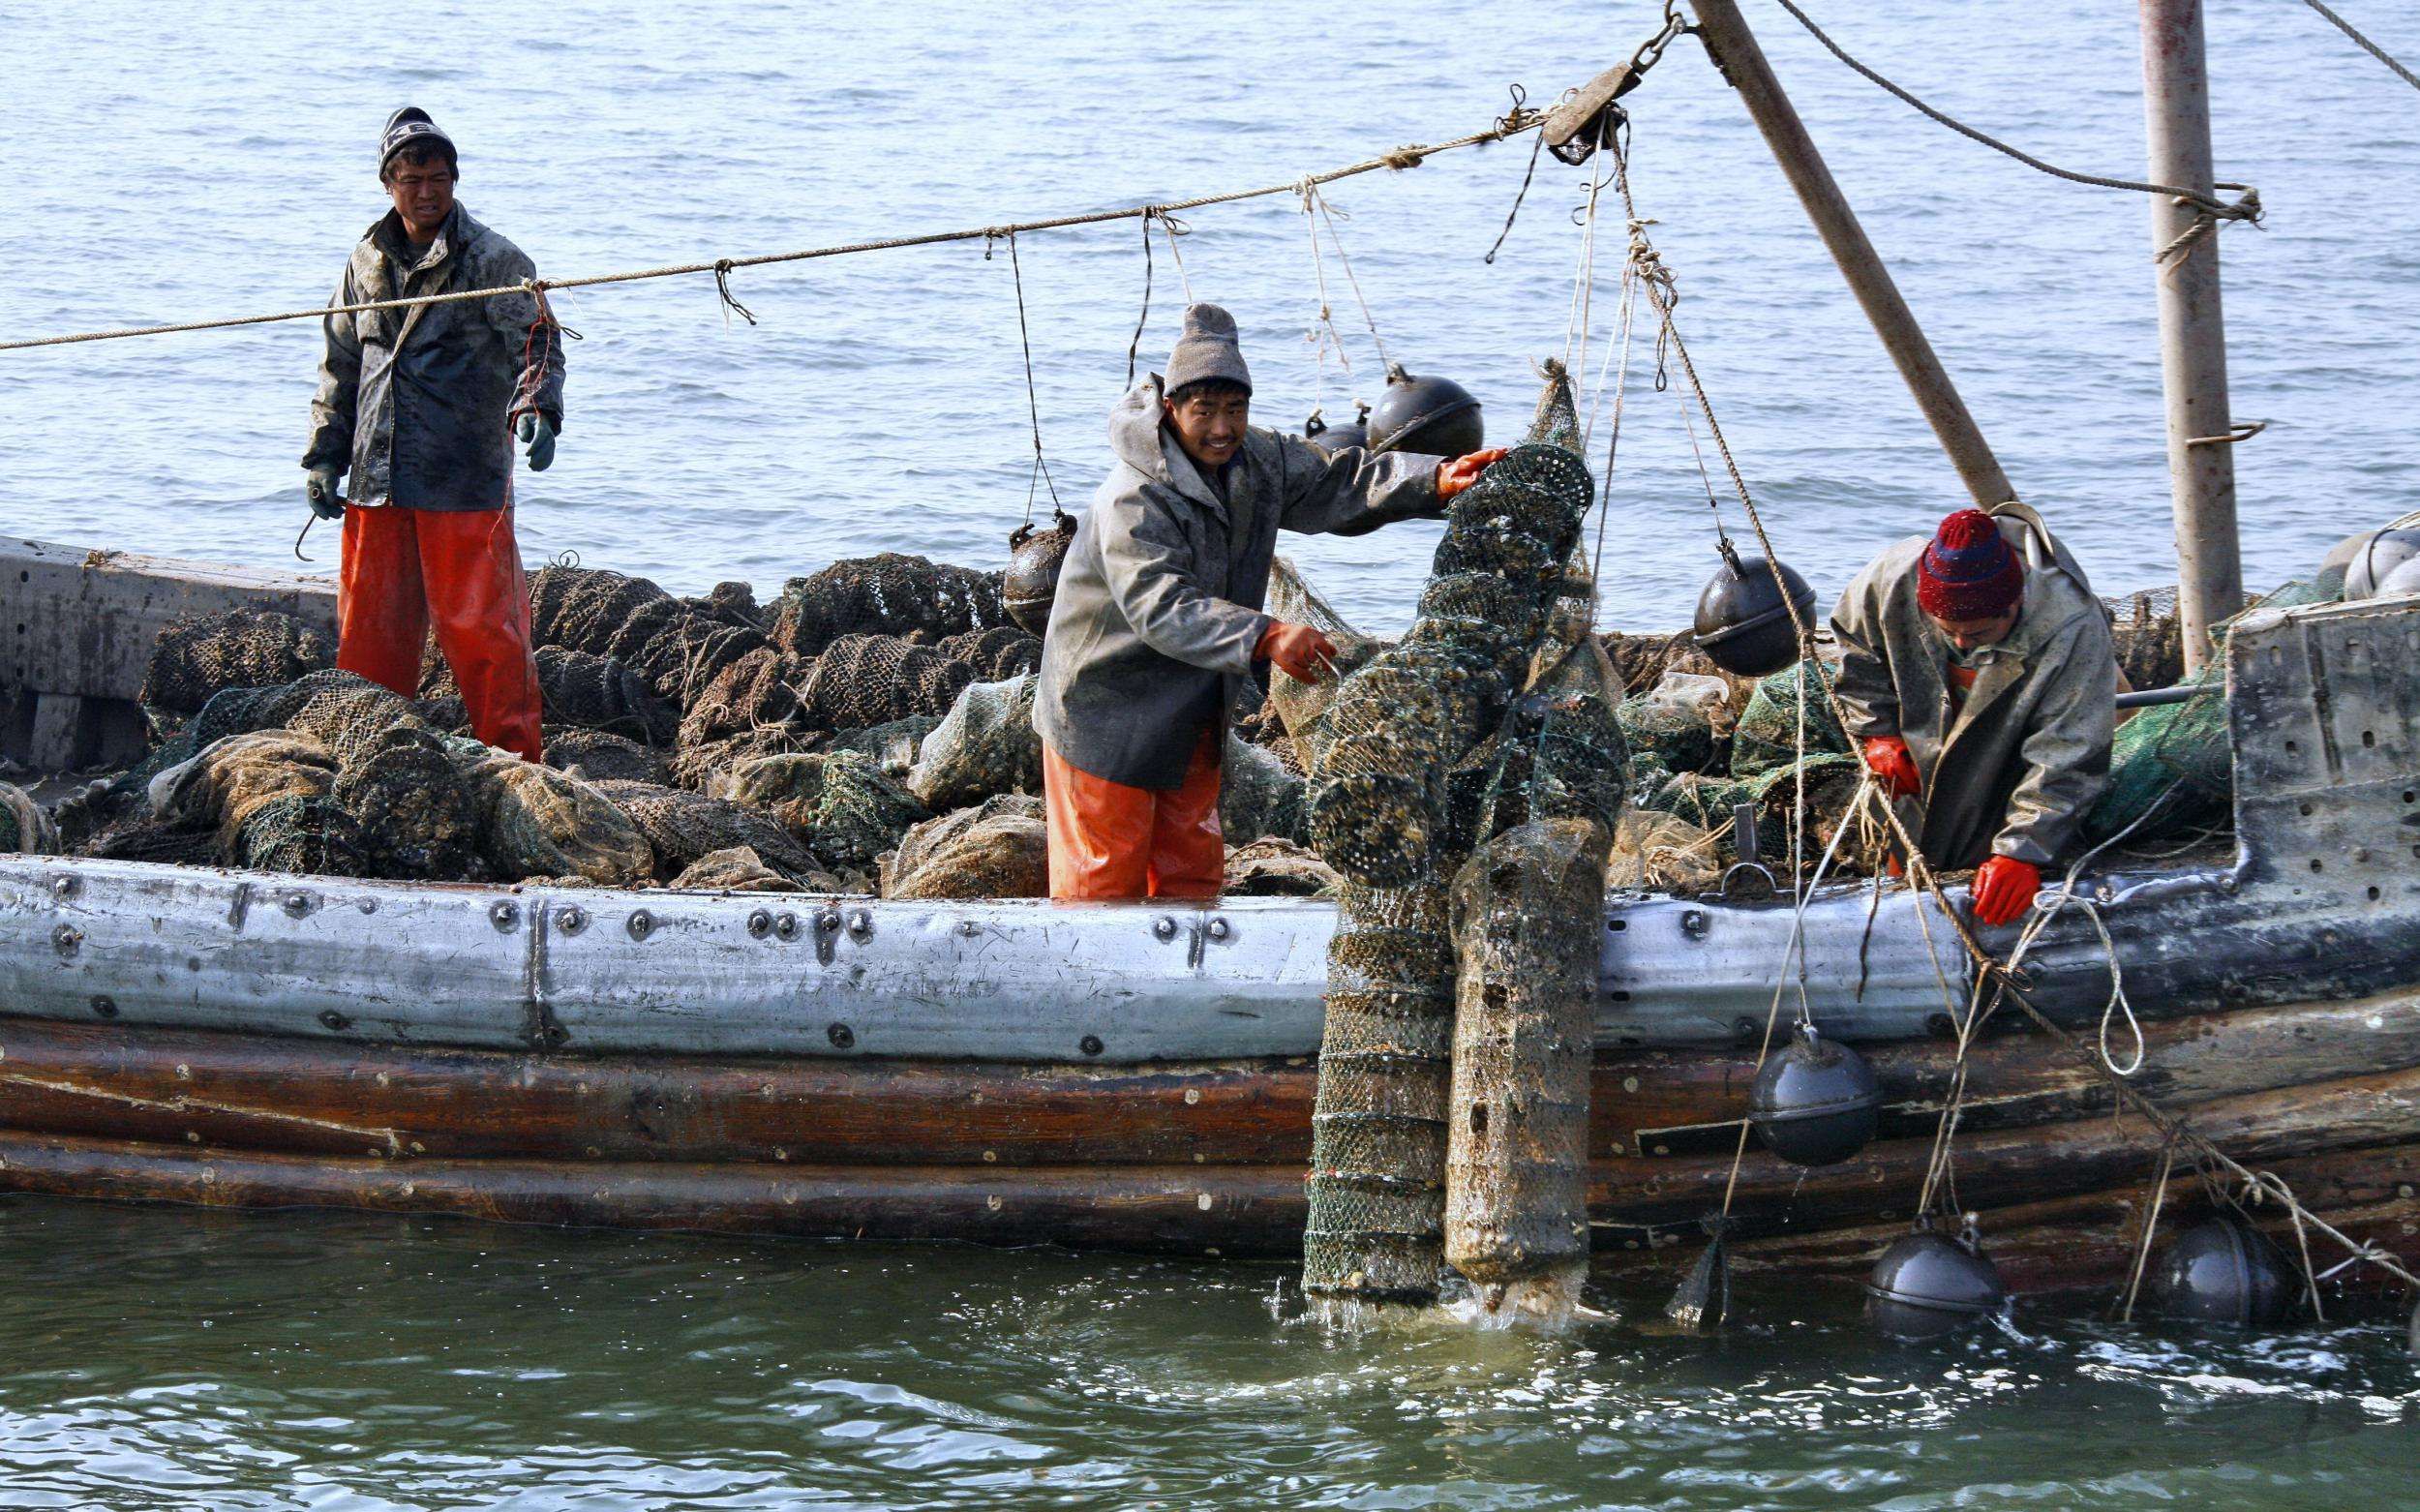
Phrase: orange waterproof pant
{"type": "Point", "coordinates": [460, 570]}
{"type": "Point", "coordinates": [1109, 841]}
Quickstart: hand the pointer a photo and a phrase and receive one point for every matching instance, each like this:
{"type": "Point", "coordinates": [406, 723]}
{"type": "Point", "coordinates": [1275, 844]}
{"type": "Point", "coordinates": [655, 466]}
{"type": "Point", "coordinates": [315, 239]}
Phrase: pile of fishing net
{"type": "Point", "coordinates": [682, 828]}
{"type": "Point", "coordinates": [200, 654]}
{"type": "Point", "coordinates": [996, 849]}
{"type": "Point", "coordinates": [838, 803]}
{"type": "Point", "coordinates": [677, 649]}
{"type": "Point", "coordinates": [890, 594]}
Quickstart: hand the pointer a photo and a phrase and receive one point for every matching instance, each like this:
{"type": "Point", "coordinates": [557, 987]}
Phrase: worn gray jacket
{"type": "Point", "coordinates": [2016, 769]}
{"type": "Point", "coordinates": [418, 404]}
{"type": "Point", "coordinates": [1158, 612]}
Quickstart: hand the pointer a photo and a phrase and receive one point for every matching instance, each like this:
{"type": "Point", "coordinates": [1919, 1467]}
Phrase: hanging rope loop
{"type": "Point", "coordinates": [731, 302]}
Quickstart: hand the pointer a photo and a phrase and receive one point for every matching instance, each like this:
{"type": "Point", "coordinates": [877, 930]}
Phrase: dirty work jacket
{"type": "Point", "coordinates": [417, 404]}
{"type": "Point", "coordinates": [2021, 763]}
{"type": "Point", "coordinates": [1159, 605]}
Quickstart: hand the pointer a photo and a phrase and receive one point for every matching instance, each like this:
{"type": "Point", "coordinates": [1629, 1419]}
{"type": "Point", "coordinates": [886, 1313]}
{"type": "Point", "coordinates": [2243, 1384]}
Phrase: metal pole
{"type": "Point", "coordinates": [1726, 35]}
{"type": "Point", "coordinates": [2192, 333]}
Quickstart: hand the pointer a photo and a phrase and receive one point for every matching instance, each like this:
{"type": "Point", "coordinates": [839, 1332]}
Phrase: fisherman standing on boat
{"type": "Point", "coordinates": [1984, 690]}
{"type": "Point", "coordinates": [1158, 626]}
{"type": "Point", "coordinates": [420, 405]}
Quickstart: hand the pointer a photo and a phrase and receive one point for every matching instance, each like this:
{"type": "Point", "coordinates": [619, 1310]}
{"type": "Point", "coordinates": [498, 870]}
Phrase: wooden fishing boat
{"type": "Point", "coordinates": [1141, 1076]}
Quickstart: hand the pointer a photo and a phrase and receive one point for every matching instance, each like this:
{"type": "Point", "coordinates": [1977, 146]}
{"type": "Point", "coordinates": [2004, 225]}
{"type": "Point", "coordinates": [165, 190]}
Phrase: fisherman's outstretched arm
{"type": "Point", "coordinates": [1353, 492]}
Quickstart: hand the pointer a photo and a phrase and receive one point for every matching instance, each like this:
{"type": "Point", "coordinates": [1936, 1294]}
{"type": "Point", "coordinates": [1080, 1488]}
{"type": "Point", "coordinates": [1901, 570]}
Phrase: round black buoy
{"type": "Point", "coordinates": [1814, 1102]}
{"type": "Point", "coordinates": [2225, 1271]}
{"type": "Point", "coordinates": [1742, 622]}
{"type": "Point", "coordinates": [1431, 416]}
{"type": "Point", "coordinates": [1354, 431]}
{"type": "Point", "coordinates": [1031, 584]}
{"type": "Point", "coordinates": [1927, 1286]}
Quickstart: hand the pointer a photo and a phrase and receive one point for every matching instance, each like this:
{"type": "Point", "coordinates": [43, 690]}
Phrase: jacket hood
{"type": "Point", "coordinates": [1138, 439]}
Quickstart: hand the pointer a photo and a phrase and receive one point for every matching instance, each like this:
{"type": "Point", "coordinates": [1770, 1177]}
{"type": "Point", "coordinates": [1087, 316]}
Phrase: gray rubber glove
{"type": "Point", "coordinates": [325, 493]}
{"type": "Point", "coordinates": [541, 436]}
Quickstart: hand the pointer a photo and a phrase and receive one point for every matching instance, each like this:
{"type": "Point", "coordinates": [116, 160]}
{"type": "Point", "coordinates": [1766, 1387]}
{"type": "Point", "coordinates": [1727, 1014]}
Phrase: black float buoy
{"type": "Point", "coordinates": [1431, 416]}
{"type": "Point", "coordinates": [1354, 431]}
{"type": "Point", "coordinates": [1927, 1286]}
{"type": "Point", "coordinates": [1032, 582]}
{"type": "Point", "coordinates": [1742, 622]}
{"type": "Point", "coordinates": [2225, 1271]}
{"type": "Point", "coordinates": [1814, 1103]}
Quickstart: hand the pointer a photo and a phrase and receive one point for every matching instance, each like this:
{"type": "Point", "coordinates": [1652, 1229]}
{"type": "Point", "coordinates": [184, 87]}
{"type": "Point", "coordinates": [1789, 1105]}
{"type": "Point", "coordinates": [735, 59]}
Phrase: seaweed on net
{"type": "Point", "coordinates": [735, 868]}
{"type": "Point", "coordinates": [599, 693]}
{"type": "Point", "coordinates": [197, 656]}
{"type": "Point", "coordinates": [419, 814]}
{"type": "Point", "coordinates": [1676, 733]}
{"type": "Point", "coordinates": [219, 788]}
{"type": "Point", "coordinates": [683, 826]}
{"type": "Point", "coordinates": [985, 744]}
{"type": "Point", "coordinates": [698, 768]}
{"type": "Point", "coordinates": [996, 849]}
{"type": "Point", "coordinates": [896, 747]}
{"type": "Point", "coordinates": [1767, 736]}
{"type": "Point", "coordinates": [24, 827]}
{"type": "Point", "coordinates": [840, 802]}
{"type": "Point", "coordinates": [140, 837]}
{"type": "Point", "coordinates": [886, 595]}
{"type": "Point", "coordinates": [302, 833]}
{"type": "Point", "coordinates": [539, 822]}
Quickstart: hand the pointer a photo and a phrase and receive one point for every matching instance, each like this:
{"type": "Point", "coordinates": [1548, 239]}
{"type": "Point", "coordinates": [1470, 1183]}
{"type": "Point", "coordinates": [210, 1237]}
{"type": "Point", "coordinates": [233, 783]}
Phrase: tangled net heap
{"type": "Point", "coordinates": [677, 649]}
{"type": "Point", "coordinates": [1386, 812]}
{"type": "Point", "coordinates": [861, 680]}
{"type": "Point", "coordinates": [199, 656]}
{"type": "Point", "coordinates": [886, 595]}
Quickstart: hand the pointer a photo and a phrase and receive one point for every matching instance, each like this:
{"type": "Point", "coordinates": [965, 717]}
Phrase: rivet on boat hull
{"type": "Point", "coordinates": [1165, 927]}
{"type": "Point", "coordinates": [842, 1035]}
{"type": "Point", "coordinates": [1090, 1044]}
{"type": "Point", "coordinates": [760, 925]}
{"type": "Point", "coordinates": [66, 939]}
{"type": "Point", "coordinates": [642, 923]}
{"type": "Point", "coordinates": [785, 927]}
{"type": "Point", "coordinates": [105, 1006]}
{"type": "Point", "coordinates": [505, 915]}
{"type": "Point", "coordinates": [861, 925]}
{"type": "Point", "coordinates": [570, 919]}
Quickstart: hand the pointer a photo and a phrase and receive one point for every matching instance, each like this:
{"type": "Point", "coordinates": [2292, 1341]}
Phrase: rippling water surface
{"type": "Point", "coordinates": [168, 163]}
{"type": "Point", "coordinates": [161, 1358]}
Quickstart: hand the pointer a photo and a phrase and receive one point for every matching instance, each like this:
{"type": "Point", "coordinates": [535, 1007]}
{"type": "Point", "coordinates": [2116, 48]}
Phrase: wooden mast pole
{"type": "Point", "coordinates": [1726, 35]}
{"type": "Point", "coordinates": [2192, 332]}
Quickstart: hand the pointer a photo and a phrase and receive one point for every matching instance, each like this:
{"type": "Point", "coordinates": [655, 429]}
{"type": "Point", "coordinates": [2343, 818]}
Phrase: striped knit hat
{"type": "Point", "coordinates": [1969, 571]}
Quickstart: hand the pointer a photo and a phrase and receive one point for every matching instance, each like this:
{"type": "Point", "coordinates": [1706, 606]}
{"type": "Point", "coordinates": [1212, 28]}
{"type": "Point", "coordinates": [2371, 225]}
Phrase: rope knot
{"type": "Point", "coordinates": [1401, 157]}
{"type": "Point", "coordinates": [722, 290]}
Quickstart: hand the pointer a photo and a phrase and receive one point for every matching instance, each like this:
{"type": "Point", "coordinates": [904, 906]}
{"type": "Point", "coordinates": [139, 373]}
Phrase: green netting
{"type": "Point", "coordinates": [996, 849]}
{"type": "Point", "coordinates": [1767, 736]}
{"type": "Point", "coordinates": [985, 744]}
{"type": "Point", "coordinates": [839, 802]}
{"type": "Point", "coordinates": [2178, 759]}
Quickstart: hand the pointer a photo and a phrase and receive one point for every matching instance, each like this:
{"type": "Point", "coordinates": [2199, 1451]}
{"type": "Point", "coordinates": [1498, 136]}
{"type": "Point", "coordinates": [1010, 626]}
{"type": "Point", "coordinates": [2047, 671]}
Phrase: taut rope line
{"type": "Point", "coordinates": [2213, 211]}
{"type": "Point", "coordinates": [1401, 158]}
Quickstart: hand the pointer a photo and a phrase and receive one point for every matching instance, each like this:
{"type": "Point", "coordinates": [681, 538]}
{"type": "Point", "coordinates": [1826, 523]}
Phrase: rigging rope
{"type": "Point", "coordinates": [1407, 157]}
{"type": "Point", "coordinates": [2365, 44]}
{"type": "Point", "coordinates": [1033, 403]}
{"type": "Point", "coordinates": [2210, 210]}
{"type": "Point", "coordinates": [1990, 973]}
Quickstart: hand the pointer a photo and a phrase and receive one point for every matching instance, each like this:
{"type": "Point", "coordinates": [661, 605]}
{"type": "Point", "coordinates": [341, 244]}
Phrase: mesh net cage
{"type": "Point", "coordinates": [677, 649]}
{"type": "Point", "coordinates": [861, 680]}
{"type": "Point", "coordinates": [985, 744]}
{"type": "Point", "coordinates": [839, 803]}
{"type": "Point", "coordinates": [599, 693]}
{"type": "Point", "coordinates": [543, 823]}
{"type": "Point", "coordinates": [682, 827]}
{"type": "Point", "coordinates": [996, 849]}
{"type": "Point", "coordinates": [995, 654]}
{"type": "Point", "coordinates": [757, 691]}
{"type": "Point", "coordinates": [599, 756]}
{"type": "Point", "coordinates": [886, 595]}
{"type": "Point", "coordinates": [1767, 736]}
{"type": "Point", "coordinates": [2149, 634]}
{"type": "Point", "coordinates": [419, 814]}
{"type": "Point", "coordinates": [199, 656]}
{"type": "Point", "coordinates": [1384, 751]}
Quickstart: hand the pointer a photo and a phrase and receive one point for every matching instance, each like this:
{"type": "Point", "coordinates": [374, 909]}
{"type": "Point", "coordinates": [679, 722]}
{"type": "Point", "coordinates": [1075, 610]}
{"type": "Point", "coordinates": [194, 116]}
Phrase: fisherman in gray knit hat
{"type": "Point", "coordinates": [1158, 627]}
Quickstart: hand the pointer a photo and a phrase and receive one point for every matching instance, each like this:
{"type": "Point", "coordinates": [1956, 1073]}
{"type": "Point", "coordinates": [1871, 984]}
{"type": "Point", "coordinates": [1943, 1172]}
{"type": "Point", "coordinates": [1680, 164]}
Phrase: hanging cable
{"type": "Point", "coordinates": [1136, 345]}
{"type": "Point", "coordinates": [2366, 45]}
{"type": "Point", "coordinates": [1033, 402]}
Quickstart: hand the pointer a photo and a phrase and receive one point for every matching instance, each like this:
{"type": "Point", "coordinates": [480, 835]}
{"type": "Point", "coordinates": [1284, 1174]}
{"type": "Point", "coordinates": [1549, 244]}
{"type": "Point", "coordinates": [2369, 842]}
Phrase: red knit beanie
{"type": "Point", "coordinates": [1969, 571]}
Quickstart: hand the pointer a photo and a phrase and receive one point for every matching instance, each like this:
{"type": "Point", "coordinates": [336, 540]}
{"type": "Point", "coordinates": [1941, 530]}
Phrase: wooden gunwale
{"type": "Point", "coordinates": [241, 1091]}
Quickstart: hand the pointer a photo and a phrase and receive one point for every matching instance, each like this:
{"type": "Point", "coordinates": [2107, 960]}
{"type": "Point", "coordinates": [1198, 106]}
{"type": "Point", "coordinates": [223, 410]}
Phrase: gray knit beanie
{"type": "Point", "coordinates": [1208, 350]}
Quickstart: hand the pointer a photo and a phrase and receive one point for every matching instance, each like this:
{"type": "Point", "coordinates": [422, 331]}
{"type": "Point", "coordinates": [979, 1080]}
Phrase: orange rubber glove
{"type": "Point", "coordinates": [1886, 757]}
{"type": "Point", "coordinates": [2004, 888]}
{"type": "Point", "coordinates": [1460, 473]}
{"type": "Point", "coordinates": [1298, 650]}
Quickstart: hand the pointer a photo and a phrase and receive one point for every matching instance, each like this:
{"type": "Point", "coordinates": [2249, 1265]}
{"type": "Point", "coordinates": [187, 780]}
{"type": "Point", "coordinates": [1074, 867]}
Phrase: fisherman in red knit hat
{"type": "Point", "coordinates": [1977, 669]}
